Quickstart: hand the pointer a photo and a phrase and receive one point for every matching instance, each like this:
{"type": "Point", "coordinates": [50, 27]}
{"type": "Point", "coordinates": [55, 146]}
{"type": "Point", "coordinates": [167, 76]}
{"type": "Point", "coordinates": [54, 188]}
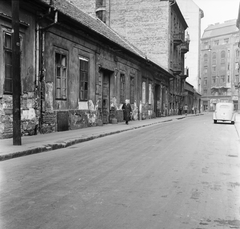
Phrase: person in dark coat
{"type": "Point", "coordinates": [127, 110]}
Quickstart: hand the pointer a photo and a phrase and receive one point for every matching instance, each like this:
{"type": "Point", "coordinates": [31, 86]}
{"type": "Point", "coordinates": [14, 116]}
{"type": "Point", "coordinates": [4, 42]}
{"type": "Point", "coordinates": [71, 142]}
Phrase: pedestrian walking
{"type": "Point", "coordinates": [180, 110]}
{"type": "Point", "coordinates": [185, 109]}
{"type": "Point", "coordinates": [127, 110]}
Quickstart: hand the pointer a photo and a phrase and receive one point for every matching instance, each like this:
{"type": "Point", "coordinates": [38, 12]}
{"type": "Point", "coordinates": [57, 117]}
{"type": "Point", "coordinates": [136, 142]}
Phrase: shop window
{"type": "Point", "coordinates": [122, 88]}
{"type": "Point", "coordinates": [84, 78]}
{"type": "Point", "coordinates": [61, 75]}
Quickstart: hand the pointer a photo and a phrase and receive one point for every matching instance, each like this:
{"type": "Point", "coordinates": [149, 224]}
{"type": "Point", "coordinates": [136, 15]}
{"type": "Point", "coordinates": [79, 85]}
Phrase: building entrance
{"type": "Point", "coordinates": [106, 97]}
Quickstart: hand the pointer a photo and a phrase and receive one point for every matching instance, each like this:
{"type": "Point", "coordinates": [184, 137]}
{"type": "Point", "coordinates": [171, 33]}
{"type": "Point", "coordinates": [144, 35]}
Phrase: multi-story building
{"type": "Point", "coordinates": [193, 15]}
{"type": "Point", "coordinates": [238, 82]}
{"type": "Point", "coordinates": [220, 64]}
{"type": "Point", "coordinates": [155, 27]}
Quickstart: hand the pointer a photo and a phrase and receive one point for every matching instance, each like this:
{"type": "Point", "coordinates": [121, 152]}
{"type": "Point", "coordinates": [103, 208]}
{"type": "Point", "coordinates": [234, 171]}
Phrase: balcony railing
{"type": "Point", "coordinates": [185, 47]}
{"type": "Point", "coordinates": [178, 38]}
{"type": "Point", "coordinates": [176, 68]}
{"type": "Point", "coordinates": [185, 73]}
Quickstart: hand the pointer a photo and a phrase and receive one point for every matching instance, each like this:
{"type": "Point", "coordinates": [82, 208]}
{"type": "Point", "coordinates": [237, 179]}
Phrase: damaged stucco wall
{"type": "Point", "coordinates": [29, 115]}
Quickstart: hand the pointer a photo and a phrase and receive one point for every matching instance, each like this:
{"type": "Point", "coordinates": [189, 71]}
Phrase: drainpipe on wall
{"type": "Point", "coordinates": [41, 67]}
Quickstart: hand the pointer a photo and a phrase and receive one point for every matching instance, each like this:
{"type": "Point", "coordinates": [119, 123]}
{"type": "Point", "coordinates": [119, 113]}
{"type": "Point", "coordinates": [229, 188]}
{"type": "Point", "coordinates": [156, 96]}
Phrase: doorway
{"type": "Point", "coordinates": [106, 97]}
{"type": "Point", "coordinates": [157, 101]}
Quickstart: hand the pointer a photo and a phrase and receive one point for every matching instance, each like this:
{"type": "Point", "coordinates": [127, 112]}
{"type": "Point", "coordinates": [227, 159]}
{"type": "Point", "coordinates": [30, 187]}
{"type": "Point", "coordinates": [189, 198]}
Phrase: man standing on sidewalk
{"type": "Point", "coordinates": [185, 109]}
{"type": "Point", "coordinates": [126, 110]}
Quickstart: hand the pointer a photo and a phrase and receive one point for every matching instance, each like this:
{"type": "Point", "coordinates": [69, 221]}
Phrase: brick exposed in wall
{"type": "Point", "coordinates": [49, 122]}
{"type": "Point", "coordinates": [29, 117]}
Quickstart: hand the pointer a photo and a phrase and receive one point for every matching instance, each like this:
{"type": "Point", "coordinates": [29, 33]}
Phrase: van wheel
{"type": "Point", "coordinates": [215, 121]}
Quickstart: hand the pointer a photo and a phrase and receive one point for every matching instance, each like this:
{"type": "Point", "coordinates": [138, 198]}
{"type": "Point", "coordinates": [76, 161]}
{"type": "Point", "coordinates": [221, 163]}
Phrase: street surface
{"type": "Point", "coordinates": [182, 174]}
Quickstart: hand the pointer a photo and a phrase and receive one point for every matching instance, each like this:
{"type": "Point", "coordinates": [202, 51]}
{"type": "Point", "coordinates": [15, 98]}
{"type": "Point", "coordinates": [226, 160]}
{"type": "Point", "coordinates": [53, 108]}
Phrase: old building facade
{"type": "Point", "coordinates": [237, 84]}
{"type": "Point", "coordinates": [76, 71]}
{"type": "Point", "coordinates": [220, 64]}
{"type": "Point", "coordinates": [155, 27]}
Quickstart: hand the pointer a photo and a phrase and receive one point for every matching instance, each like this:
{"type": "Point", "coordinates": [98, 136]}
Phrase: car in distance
{"type": "Point", "coordinates": [224, 112]}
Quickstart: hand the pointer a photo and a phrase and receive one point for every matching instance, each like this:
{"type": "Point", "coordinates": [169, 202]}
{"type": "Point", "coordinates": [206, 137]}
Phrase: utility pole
{"type": "Point", "coordinates": [16, 75]}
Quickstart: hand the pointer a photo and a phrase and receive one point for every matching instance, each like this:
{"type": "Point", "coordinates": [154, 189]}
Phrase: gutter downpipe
{"type": "Point", "coordinates": [41, 67]}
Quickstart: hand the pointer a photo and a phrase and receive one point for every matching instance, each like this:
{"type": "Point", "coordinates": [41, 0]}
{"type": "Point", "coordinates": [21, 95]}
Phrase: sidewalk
{"type": "Point", "coordinates": [46, 142]}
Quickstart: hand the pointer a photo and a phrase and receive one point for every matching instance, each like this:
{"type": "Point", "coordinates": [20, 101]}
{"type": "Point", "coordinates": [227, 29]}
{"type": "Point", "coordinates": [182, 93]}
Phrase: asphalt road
{"type": "Point", "coordinates": [183, 174]}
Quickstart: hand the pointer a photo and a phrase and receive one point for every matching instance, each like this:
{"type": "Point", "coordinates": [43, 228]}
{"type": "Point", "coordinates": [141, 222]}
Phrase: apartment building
{"type": "Point", "coordinates": [220, 55]}
{"type": "Point", "coordinates": [193, 15]}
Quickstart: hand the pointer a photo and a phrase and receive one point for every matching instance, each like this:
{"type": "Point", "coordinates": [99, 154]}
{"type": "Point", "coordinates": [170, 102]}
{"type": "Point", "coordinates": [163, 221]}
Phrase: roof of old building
{"type": "Point", "coordinates": [96, 25]}
{"type": "Point", "coordinates": [220, 29]}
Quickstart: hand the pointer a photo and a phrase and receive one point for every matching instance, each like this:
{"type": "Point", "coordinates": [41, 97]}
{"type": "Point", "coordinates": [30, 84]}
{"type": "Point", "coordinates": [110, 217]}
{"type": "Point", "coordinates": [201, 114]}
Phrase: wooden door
{"type": "Point", "coordinates": [106, 97]}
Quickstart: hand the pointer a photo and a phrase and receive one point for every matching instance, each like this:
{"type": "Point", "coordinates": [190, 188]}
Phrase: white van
{"type": "Point", "coordinates": [224, 112]}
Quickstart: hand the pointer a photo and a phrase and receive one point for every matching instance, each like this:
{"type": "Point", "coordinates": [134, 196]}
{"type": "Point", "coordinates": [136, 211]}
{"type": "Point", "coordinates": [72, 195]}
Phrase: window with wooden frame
{"type": "Point", "coordinates": [84, 79]}
{"type": "Point", "coordinates": [132, 84]}
{"type": "Point", "coordinates": [7, 46]}
{"type": "Point", "coordinates": [61, 76]}
{"type": "Point", "coordinates": [122, 88]}
{"type": "Point", "coordinates": [7, 59]}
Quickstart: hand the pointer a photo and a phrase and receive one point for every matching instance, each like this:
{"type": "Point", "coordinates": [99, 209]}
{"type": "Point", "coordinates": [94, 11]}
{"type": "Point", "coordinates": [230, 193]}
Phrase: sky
{"type": "Point", "coordinates": [217, 11]}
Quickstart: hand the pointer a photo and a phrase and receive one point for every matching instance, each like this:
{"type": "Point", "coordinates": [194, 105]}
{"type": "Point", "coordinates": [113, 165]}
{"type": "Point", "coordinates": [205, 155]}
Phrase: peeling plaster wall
{"type": "Point", "coordinates": [29, 101]}
{"type": "Point", "coordinates": [29, 115]}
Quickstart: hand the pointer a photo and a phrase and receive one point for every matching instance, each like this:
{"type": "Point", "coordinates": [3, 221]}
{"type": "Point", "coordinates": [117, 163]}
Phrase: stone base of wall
{"type": "Point", "coordinates": [49, 122]}
{"type": "Point", "coordinates": [82, 118]}
{"type": "Point", "coordinates": [29, 118]}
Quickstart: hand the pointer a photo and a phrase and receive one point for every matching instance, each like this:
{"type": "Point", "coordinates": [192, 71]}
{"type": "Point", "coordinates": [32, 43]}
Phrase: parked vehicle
{"type": "Point", "coordinates": [224, 112]}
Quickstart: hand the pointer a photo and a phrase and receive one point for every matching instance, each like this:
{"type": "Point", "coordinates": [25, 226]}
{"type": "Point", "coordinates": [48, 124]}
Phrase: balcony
{"type": "Point", "coordinates": [185, 47]}
{"type": "Point", "coordinates": [185, 73]}
{"type": "Point", "coordinates": [175, 68]}
{"type": "Point", "coordinates": [177, 38]}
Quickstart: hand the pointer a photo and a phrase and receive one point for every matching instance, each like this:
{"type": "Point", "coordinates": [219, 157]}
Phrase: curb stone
{"type": "Point", "coordinates": [67, 143]}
